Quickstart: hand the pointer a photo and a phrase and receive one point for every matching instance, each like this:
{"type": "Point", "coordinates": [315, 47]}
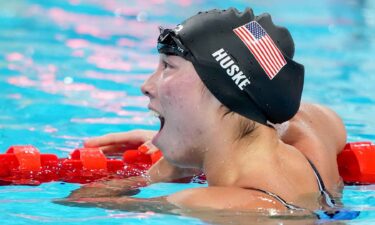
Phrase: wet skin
{"type": "Point", "coordinates": [195, 136]}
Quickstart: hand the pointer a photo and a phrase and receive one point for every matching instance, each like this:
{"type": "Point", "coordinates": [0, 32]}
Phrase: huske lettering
{"type": "Point", "coordinates": [232, 70]}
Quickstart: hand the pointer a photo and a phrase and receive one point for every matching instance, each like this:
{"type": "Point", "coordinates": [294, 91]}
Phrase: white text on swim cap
{"type": "Point", "coordinates": [233, 70]}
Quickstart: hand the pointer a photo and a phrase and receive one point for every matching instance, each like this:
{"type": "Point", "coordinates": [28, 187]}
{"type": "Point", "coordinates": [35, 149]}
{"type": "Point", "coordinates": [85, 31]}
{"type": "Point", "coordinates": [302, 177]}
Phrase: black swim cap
{"type": "Point", "coordinates": [244, 60]}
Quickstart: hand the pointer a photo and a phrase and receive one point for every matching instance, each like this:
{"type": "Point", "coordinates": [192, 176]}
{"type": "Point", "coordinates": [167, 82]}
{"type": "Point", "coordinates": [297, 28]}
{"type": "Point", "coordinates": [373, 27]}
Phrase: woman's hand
{"type": "Point", "coordinates": [111, 188]}
{"type": "Point", "coordinates": [116, 143]}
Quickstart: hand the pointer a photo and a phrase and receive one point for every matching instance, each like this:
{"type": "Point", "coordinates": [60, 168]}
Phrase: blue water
{"type": "Point", "coordinates": [71, 69]}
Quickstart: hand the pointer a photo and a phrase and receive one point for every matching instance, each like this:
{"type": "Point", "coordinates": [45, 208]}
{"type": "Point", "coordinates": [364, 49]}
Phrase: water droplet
{"type": "Point", "coordinates": [68, 80]}
{"type": "Point", "coordinates": [142, 17]}
{"type": "Point", "coordinates": [117, 12]}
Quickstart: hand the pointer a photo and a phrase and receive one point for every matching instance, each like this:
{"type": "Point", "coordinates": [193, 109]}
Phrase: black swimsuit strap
{"type": "Point", "coordinates": [278, 198]}
{"type": "Point", "coordinates": [326, 195]}
{"type": "Point", "coordinates": [321, 185]}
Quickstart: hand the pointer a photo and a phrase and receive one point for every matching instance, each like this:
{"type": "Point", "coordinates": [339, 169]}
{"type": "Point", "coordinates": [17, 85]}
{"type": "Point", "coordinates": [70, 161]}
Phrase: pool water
{"type": "Point", "coordinates": [71, 69]}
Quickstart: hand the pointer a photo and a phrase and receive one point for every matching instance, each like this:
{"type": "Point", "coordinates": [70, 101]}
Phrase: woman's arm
{"type": "Point", "coordinates": [162, 171]}
{"type": "Point", "coordinates": [319, 134]}
{"type": "Point", "coordinates": [155, 205]}
{"type": "Point", "coordinates": [231, 198]}
{"type": "Point", "coordinates": [116, 144]}
{"type": "Point", "coordinates": [111, 188]}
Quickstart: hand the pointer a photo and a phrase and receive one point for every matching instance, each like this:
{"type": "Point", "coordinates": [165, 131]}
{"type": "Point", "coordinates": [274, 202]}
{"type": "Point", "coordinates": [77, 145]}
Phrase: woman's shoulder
{"type": "Point", "coordinates": [319, 133]}
{"type": "Point", "coordinates": [319, 124]}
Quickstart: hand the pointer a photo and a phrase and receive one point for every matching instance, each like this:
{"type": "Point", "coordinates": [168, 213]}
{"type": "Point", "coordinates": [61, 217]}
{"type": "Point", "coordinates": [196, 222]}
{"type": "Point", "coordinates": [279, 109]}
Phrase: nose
{"type": "Point", "coordinates": [148, 88]}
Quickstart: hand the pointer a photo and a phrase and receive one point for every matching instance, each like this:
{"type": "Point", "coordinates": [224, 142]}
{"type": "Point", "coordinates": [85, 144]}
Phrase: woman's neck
{"type": "Point", "coordinates": [230, 160]}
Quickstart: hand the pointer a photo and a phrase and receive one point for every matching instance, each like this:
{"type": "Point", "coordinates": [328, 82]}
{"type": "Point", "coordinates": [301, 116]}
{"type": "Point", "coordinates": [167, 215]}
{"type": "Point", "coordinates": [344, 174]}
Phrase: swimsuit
{"type": "Point", "coordinates": [326, 196]}
{"type": "Point", "coordinates": [333, 213]}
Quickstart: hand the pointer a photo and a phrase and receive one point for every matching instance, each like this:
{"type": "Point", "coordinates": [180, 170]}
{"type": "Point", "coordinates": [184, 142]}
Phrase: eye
{"type": "Point", "coordinates": [166, 65]}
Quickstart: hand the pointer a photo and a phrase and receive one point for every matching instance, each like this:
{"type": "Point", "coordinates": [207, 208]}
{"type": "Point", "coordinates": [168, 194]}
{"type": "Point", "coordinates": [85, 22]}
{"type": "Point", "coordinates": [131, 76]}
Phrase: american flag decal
{"type": "Point", "coordinates": [262, 47]}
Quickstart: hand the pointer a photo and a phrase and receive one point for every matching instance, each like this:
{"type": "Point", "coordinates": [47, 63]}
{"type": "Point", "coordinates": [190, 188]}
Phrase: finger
{"type": "Point", "coordinates": [150, 147]}
{"type": "Point", "coordinates": [132, 139]}
{"type": "Point", "coordinates": [113, 150]}
{"type": "Point", "coordinates": [112, 139]}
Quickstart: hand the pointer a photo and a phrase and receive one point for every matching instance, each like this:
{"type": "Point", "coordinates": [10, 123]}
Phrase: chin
{"type": "Point", "coordinates": [174, 151]}
{"type": "Point", "coordinates": [182, 161]}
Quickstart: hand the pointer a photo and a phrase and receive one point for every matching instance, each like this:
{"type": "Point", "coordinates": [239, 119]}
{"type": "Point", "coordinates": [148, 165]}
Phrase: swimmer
{"type": "Point", "coordinates": [228, 95]}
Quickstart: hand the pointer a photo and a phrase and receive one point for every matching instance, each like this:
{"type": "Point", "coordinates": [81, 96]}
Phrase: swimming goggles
{"type": "Point", "coordinates": [170, 44]}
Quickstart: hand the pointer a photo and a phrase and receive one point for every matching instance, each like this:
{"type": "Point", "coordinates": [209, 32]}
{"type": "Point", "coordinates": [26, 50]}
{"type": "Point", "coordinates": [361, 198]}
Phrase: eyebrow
{"type": "Point", "coordinates": [167, 59]}
{"type": "Point", "coordinates": [164, 57]}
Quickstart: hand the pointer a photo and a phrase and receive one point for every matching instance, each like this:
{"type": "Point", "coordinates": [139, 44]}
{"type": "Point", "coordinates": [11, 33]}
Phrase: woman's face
{"type": "Point", "coordinates": [187, 113]}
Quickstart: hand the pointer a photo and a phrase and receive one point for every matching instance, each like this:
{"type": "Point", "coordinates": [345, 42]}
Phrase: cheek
{"type": "Point", "coordinates": [181, 94]}
{"type": "Point", "coordinates": [189, 118]}
{"type": "Point", "coordinates": [183, 108]}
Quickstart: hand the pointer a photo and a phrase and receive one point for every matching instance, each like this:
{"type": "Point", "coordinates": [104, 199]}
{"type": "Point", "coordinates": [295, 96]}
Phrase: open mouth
{"type": "Point", "coordinates": [161, 118]}
{"type": "Point", "coordinates": [162, 122]}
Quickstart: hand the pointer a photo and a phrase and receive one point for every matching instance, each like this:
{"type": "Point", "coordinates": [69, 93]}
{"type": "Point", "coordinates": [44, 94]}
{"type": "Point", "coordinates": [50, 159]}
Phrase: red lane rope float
{"type": "Point", "coordinates": [357, 163]}
{"type": "Point", "coordinates": [25, 165]}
